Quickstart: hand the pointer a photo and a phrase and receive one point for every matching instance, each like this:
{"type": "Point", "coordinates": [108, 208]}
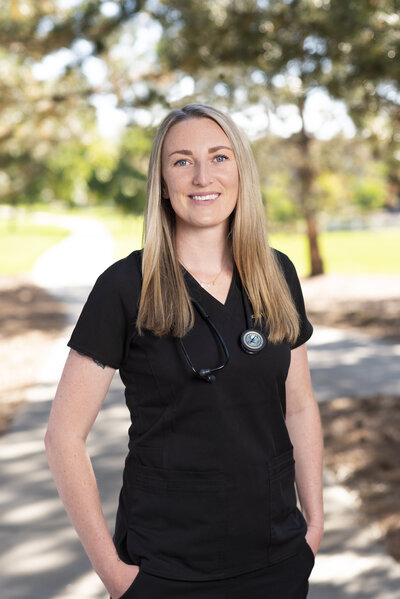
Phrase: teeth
{"type": "Point", "coordinates": [211, 196]}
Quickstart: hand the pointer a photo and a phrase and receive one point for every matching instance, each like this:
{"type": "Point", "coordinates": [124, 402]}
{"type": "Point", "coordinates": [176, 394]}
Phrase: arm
{"type": "Point", "coordinates": [304, 426]}
{"type": "Point", "coordinates": [80, 395]}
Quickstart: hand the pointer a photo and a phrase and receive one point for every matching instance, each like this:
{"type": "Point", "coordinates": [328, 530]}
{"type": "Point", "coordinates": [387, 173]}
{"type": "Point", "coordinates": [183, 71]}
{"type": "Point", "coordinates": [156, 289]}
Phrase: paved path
{"type": "Point", "coordinates": [40, 556]}
{"type": "Point", "coordinates": [351, 363]}
{"type": "Point", "coordinates": [352, 563]}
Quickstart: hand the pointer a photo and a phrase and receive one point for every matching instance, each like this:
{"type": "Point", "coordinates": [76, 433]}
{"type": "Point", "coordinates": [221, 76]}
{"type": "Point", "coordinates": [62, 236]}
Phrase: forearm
{"type": "Point", "coordinates": [76, 483]}
{"type": "Point", "coordinates": [304, 428]}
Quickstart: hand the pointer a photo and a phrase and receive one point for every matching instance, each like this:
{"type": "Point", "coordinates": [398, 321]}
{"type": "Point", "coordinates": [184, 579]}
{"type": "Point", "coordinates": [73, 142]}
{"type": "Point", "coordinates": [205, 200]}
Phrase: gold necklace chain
{"type": "Point", "coordinates": [203, 283]}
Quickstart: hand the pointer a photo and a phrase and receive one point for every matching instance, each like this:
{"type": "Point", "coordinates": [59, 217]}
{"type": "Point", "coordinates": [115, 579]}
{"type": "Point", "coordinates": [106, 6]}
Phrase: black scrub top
{"type": "Point", "coordinates": [208, 485]}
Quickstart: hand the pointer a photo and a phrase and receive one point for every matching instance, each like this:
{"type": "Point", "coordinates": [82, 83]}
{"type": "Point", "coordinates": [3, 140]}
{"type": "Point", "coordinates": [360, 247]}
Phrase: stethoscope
{"type": "Point", "coordinates": [252, 340]}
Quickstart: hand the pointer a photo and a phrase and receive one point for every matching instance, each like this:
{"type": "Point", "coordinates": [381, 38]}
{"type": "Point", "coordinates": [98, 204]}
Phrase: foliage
{"type": "Point", "coordinates": [347, 178]}
{"type": "Point", "coordinates": [38, 116]}
{"type": "Point", "coordinates": [272, 54]}
{"type": "Point", "coordinates": [125, 183]}
{"type": "Point", "coordinates": [277, 54]}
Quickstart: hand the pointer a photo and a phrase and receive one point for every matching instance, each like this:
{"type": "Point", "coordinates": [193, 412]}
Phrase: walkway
{"type": "Point", "coordinates": [352, 563]}
{"type": "Point", "coordinates": [41, 557]}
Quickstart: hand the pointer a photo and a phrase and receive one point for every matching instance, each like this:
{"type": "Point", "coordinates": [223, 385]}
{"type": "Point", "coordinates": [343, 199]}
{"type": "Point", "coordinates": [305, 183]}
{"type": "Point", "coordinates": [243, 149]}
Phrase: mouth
{"type": "Point", "coordinates": [203, 197]}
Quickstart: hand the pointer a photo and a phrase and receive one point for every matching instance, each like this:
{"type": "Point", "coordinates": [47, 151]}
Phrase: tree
{"type": "Point", "coordinates": [349, 181]}
{"type": "Point", "coordinates": [125, 180]}
{"type": "Point", "coordinates": [281, 51]}
{"type": "Point", "coordinates": [38, 116]}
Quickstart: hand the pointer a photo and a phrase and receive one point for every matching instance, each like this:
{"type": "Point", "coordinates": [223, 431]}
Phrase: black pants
{"type": "Point", "coordinates": [286, 580]}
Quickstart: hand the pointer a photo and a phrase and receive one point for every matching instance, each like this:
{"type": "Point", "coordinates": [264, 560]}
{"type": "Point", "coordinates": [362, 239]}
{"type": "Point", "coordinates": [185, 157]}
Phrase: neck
{"type": "Point", "coordinates": [203, 249]}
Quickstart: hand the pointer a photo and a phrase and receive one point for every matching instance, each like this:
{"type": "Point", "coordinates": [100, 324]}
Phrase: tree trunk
{"type": "Point", "coordinates": [306, 176]}
{"type": "Point", "coordinates": [317, 265]}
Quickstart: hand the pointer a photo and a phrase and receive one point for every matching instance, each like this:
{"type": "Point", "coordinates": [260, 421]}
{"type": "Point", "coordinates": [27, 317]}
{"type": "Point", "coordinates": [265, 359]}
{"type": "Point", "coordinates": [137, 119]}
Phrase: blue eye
{"type": "Point", "coordinates": [181, 162]}
{"type": "Point", "coordinates": [221, 158]}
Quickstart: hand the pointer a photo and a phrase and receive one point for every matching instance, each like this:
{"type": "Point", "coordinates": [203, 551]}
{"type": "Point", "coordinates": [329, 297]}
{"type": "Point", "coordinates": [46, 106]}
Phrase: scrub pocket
{"type": "Point", "coordinates": [310, 555]}
{"type": "Point", "coordinates": [175, 524]}
{"type": "Point", "coordinates": [130, 592]}
{"type": "Point", "coordinates": [287, 524]}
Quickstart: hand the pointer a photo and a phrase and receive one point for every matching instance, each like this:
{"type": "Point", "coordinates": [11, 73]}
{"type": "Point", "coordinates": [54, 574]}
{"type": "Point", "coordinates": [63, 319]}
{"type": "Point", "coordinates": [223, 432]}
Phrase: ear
{"type": "Point", "coordinates": [164, 190]}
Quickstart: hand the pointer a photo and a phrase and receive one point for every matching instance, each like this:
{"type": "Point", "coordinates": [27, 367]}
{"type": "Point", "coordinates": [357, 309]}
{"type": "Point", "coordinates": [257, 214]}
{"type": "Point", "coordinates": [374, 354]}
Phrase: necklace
{"type": "Point", "coordinates": [203, 283]}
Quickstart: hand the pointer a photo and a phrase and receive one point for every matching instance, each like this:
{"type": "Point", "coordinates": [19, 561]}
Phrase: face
{"type": "Point", "coordinates": [200, 173]}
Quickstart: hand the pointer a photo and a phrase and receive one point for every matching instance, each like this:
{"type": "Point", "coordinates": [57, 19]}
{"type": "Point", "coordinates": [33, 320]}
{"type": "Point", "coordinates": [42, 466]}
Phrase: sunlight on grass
{"type": "Point", "coordinates": [295, 246]}
{"type": "Point", "coordinates": [374, 252]}
{"type": "Point", "coordinates": [351, 252]}
{"type": "Point", "coordinates": [22, 242]}
{"type": "Point", "coordinates": [126, 231]}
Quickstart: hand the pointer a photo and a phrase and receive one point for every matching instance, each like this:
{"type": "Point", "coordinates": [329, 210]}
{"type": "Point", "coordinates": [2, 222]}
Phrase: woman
{"type": "Point", "coordinates": [207, 327]}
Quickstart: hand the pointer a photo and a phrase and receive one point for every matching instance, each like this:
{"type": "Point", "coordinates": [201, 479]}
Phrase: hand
{"type": "Point", "coordinates": [124, 577]}
{"type": "Point", "coordinates": [314, 537]}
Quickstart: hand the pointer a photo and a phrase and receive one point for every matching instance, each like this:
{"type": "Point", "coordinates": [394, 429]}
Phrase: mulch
{"type": "Point", "coordinates": [30, 320]}
{"type": "Point", "coordinates": [362, 446]}
{"type": "Point", "coordinates": [361, 435]}
{"type": "Point", "coordinates": [377, 318]}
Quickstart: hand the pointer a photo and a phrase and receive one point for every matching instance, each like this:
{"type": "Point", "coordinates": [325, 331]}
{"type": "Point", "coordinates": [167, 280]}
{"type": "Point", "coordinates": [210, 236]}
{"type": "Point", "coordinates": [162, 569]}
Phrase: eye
{"type": "Point", "coordinates": [181, 162]}
{"type": "Point", "coordinates": [220, 158]}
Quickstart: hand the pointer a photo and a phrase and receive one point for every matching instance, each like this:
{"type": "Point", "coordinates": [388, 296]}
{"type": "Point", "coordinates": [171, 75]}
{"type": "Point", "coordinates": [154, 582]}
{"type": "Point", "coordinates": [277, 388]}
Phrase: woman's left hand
{"type": "Point", "coordinates": [314, 537]}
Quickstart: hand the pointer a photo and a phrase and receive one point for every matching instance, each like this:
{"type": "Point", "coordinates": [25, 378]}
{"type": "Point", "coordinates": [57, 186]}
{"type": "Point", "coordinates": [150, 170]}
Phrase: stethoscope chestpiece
{"type": "Point", "coordinates": [252, 341]}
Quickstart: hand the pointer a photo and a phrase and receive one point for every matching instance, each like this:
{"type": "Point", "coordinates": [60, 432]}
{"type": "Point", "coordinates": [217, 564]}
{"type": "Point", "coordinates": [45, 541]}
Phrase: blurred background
{"type": "Point", "coordinates": [315, 86]}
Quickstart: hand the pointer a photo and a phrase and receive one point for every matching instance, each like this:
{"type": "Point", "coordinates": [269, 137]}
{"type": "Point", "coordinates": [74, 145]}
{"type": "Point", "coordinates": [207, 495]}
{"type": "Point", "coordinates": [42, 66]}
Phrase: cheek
{"type": "Point", "coordinates": [232, 175]}
{"type": "Point", "coordinates": [233, 182]}
{"type": "Point", "coordinates": [176, 184]}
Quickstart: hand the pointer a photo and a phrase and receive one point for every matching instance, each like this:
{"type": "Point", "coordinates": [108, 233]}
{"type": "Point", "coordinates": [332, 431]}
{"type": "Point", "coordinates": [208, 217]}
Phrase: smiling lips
{"type": "Point", "coordinates": [204, 197]}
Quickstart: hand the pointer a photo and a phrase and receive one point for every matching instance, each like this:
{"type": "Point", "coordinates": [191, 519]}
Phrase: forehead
{"type": "Point", "coordinates": [193, 132]}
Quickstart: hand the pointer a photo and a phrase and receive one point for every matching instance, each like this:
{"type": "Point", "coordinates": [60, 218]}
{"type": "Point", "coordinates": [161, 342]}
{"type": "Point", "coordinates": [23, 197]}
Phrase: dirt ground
{"type": "Point", "coordinates": [377, 318]}
{"type": "Point", "coordinates": [362, 448]}
{"type": "Point", "coordinates": [361, 435]}
{"type": "Point", "coordinates": [30, 320]}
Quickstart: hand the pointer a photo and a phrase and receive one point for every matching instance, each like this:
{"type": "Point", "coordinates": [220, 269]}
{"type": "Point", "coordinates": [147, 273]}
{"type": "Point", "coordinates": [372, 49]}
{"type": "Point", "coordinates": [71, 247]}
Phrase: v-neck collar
{"type": "Point", "coordinates": [204, 294]}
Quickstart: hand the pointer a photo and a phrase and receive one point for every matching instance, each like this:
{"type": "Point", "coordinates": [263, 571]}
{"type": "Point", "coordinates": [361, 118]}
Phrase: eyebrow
{"type": "Point", "coordinates": [210, 150]}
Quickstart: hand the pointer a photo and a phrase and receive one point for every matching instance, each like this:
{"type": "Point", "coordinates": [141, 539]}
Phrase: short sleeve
{"type": "Point", "coordinates": [289, 270]}
{"type": "Point", "coordinates": [108, 318]}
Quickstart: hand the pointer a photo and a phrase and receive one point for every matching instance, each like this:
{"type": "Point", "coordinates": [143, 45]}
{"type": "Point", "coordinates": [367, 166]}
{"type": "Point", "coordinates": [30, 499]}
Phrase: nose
{"type": "Point", "coordinates": [202, 173]}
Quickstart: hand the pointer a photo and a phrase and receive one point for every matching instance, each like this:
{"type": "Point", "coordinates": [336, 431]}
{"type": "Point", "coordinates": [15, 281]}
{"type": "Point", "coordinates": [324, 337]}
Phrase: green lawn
{"type": "Point", "coordinates": [352, 252]}
{"type": "Point", "coordinates": [126, 231]}
{"type": "Point", "coordinates": [22, 242]}
{"type": "Point", "coordinates": [125, 228]}
{"type": "Point", "coordinates": [374, 252]}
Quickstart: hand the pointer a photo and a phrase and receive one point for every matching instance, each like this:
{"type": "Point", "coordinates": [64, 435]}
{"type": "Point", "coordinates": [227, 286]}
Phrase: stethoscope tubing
{"type": "Point", "coordinates": [252, 340]}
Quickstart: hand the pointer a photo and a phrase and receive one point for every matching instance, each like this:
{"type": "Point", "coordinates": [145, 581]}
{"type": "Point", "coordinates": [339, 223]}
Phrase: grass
{"type": "Point", "coordinates": [351, 252]}
{"type": "Point", "coordinates": [126, 231]}
{"type": "Point", "coordinates": [22, 242]}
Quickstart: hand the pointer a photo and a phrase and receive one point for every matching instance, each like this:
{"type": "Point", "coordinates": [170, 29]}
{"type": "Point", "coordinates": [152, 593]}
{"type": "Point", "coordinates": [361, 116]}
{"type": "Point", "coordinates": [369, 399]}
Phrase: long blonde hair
{"type": "Point", "coordinates": [165, 305]}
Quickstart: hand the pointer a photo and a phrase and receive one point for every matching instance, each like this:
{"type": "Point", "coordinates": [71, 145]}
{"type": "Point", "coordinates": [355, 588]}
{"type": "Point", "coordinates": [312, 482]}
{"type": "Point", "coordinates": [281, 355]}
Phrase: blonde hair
{"type": "Point", "coordinates": [165, 305]}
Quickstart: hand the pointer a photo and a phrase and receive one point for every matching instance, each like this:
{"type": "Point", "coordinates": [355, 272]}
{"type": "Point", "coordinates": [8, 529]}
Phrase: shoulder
{"type": "Point", "coordinates": [284, 262]}
{"type": "Point", "coordinates": [121, 283]}
{"type": "Point", "coordinates": [123, 273]}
